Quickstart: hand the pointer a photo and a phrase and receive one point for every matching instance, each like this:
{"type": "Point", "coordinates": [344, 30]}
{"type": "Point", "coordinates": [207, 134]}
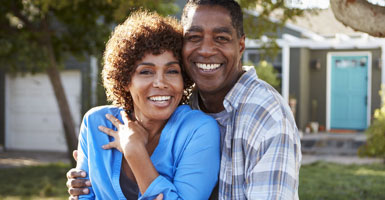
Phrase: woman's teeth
{"type": "Point", "coordinates": [160, 98]}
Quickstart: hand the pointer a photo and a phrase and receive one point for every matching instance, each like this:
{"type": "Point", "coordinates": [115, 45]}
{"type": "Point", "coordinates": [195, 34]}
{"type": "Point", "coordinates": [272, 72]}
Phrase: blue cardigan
{"type": "Point", "coordinates": [186, 158]}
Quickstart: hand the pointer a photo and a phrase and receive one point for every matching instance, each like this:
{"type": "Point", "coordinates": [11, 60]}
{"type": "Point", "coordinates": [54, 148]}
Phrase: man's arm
{"type": "Point", "coordinates": [76, 183]}
{"type": "Point", "coordinates": [272, 169]}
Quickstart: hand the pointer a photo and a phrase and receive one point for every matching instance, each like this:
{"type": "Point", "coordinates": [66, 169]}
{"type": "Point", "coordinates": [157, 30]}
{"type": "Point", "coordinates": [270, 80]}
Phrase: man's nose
{"type": "Point", "coordinates": [207, 47]}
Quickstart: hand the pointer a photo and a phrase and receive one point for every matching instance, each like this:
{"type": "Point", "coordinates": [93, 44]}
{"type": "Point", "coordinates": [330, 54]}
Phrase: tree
{"type": "Point", "coordinates": [38, 35]}
{"type": "Point", "coordinates": [272, 16]}
{"type": "Point", "coordinates": [360, 15]}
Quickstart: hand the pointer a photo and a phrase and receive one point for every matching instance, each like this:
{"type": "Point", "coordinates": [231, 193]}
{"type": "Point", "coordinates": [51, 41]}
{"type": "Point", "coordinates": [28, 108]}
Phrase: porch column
{"type": "Point", "coordinates": [285, 71]}
{"type": "Point", "coordinates": [383, 72]}
{"type": "Point", "coordinates": [94, 79]}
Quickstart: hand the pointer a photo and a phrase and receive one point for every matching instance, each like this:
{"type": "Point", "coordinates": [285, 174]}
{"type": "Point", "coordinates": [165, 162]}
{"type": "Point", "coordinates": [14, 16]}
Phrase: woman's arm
{"type": "Point", "coordinates": [82, 157]}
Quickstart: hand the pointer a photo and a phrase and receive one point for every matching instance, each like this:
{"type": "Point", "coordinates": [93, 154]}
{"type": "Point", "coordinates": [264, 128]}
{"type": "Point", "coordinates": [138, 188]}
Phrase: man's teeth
{"type": "Point", "coordinates": [208, 66]}
{"type": "Point", "coordinates": [160, 98]}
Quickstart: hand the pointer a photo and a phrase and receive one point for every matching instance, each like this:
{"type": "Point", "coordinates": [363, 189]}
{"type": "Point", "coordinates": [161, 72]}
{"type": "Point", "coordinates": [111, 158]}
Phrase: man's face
{"type": "Point", "coordinates": [212, 50]}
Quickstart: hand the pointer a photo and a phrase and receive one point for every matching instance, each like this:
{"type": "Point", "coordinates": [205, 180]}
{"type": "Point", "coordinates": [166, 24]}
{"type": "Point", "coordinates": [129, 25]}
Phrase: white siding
{"type": "Point", "coordinates": [32, 116]}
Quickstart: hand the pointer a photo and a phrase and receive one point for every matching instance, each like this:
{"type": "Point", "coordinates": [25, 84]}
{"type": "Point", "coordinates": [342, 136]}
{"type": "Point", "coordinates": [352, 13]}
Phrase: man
{"type": "Point", "coordinates": [259, 139]}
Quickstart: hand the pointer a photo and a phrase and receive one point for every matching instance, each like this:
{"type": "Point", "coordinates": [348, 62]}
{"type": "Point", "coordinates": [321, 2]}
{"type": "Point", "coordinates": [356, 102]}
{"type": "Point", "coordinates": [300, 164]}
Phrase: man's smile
{"type": "Point", "coordinates": [208, 67]}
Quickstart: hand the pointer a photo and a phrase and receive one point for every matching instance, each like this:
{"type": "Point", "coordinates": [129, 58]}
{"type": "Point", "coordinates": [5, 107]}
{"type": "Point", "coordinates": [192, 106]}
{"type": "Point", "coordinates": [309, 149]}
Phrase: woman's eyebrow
{"type": "Point", "coordinates": [172, 63]}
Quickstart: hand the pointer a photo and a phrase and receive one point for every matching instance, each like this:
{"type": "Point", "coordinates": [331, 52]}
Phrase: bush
{"type": "Point", "coordinates": [266, 72]}
{"type": "Point", "coordinates": [375, 135]}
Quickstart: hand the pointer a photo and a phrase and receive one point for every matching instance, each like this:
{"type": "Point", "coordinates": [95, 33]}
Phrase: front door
{"type": "Point", "coordinates": [349, 89]}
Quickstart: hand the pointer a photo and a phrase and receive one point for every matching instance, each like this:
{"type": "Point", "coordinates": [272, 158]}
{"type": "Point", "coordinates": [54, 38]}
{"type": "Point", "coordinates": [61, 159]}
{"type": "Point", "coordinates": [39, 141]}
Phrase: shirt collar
{"type": "Point", "coordinates": [236, 93]}
{"type": "Point", "coordinates": [232, 98]}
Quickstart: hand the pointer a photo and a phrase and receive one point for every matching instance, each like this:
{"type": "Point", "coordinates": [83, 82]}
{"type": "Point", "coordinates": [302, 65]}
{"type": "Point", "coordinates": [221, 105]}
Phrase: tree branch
{"type": "Point", "coordinates": [360, 15]}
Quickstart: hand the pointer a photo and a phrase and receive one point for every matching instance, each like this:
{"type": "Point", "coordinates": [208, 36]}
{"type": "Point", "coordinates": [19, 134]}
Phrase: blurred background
{"type": "Point", "coordinates": [325, 57]}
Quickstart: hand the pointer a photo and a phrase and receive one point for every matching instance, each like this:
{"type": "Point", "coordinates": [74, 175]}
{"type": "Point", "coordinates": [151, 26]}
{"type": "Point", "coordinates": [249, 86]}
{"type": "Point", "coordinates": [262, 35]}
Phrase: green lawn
{"type": "Point", "coordinates": [334, 181]}
{"type": "Point", "coordinates": [317, 181]}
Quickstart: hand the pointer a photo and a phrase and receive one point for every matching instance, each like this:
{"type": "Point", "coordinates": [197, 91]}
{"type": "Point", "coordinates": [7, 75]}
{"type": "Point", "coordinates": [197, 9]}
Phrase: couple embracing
{"type": "Point", "coordinates": [186, 117]}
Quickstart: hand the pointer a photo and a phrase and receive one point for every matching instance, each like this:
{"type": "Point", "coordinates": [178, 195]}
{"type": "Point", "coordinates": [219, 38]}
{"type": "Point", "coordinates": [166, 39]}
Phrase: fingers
{"type": "Point", "coordinates": [78, 191]}
{"type": "Point", "coordinates": [116, 122]}
{"type": "Point", "coordinates": [109, 145]}
{"type": "Point", "coordinates": [76, 173]}
{"type": "Point", "coordinates": [73, 198]}
{"type": "Point", "coordinates": [124, 117]}
{"type": "Point", "coordinates": [75, 155]}
{"type": "Point", "coordinates": [106, 130]}
{"type": "Point", "coordinates": [78, 183]}
{"type": "Point", "coordinates": [159, 197]}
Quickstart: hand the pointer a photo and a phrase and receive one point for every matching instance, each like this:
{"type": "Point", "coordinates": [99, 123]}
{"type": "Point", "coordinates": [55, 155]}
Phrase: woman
{"type": "Point", "coordinates": [162, 147]}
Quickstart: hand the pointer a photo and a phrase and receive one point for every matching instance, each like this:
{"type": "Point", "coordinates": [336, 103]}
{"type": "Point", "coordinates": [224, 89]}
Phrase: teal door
{"type": "Point", "coordinates": [349, 83]}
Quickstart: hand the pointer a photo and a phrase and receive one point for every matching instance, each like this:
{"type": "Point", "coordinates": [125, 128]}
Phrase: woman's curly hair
{"type": "Point", "coordinates": [143, 32]}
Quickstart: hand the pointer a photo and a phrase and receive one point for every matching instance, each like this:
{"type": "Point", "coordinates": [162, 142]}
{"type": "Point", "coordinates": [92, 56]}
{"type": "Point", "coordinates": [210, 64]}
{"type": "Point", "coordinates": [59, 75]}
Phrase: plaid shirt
{"type": "Point", "coordinates": [261, 153]}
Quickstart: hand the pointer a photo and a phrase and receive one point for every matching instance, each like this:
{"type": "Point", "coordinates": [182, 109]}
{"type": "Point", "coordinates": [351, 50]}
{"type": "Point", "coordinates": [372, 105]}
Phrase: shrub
{"type": "Point", "coordinates": [375, 134]}
{"type": "Point", "coordinates": [266, 72]}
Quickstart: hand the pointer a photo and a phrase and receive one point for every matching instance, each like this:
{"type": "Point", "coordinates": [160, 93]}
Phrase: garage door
{"type": "Point", "coordinates": [32, 116]}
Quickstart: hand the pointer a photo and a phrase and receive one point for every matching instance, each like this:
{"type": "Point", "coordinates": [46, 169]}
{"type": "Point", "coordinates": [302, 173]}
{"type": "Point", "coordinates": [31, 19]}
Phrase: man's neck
{"type": "Point", "coordinates": [211, 103]}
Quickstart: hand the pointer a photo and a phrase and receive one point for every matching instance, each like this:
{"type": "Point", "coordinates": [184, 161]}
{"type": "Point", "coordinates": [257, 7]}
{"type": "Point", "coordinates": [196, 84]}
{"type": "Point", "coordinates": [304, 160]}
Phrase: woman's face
{"type": "Point", "coordinates": [156, 86]}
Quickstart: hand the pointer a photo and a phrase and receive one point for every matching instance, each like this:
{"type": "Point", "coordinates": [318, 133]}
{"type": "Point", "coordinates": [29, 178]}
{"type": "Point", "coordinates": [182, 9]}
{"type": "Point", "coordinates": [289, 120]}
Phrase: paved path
{"type": "Point", "coordinates": [29, 158]}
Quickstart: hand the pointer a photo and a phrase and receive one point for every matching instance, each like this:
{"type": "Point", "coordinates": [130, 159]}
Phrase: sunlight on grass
{"type": "Point", "coordinates": [364, 171]}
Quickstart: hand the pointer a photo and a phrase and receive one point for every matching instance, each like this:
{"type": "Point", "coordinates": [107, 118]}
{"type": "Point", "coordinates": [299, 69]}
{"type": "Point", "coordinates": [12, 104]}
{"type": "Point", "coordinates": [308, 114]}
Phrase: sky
{"type": "Point", "coordinates": [322, 4]}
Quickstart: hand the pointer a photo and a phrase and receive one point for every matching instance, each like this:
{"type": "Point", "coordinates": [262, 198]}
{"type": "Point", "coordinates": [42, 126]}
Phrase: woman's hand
{"type": "Point", "coordinates": [129, 135]}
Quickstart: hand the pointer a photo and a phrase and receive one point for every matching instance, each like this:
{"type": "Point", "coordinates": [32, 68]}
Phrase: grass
{"type": "Point", "coordinates": [318, 181]}
{"type": "Point", "coordinates": [37, 182]}
{"type": "Point", "coordinates": [335, 181]}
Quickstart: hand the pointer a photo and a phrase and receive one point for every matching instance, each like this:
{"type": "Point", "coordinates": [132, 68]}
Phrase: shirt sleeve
{"type": "Point", "coordinates": [273, 162]}
{"type": "Point", "coordinates": [197, 172]}
{"type": "Point", "coordinates": [82, 161]}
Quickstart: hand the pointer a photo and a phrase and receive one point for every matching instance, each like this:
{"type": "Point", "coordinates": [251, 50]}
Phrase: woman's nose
{"type": "Point", "coordinates": [159, 81]}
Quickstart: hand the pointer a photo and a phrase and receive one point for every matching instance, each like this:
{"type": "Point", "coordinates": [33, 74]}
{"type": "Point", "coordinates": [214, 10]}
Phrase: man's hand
{"type": "Point", "coordinates": [77, 186]}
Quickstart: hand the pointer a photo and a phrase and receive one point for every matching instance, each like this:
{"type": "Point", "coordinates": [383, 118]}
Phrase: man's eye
{"type": "Point", "coordinates": [193, 38]}
{"type": "Point", "coordinates": [222, 39]}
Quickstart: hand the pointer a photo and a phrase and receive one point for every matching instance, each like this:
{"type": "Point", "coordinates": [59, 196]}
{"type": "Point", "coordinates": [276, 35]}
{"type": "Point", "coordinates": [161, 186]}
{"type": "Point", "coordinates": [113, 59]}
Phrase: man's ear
{"type": "Point", "coordinates": [242, 44]}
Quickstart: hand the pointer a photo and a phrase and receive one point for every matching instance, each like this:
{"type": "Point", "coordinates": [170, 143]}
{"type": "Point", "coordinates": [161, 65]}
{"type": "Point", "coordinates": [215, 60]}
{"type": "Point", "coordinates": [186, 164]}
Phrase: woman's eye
{"type": "Point", "coordinates": [145, 72]}
{"type": "Point", "coordinates": [173, 71]}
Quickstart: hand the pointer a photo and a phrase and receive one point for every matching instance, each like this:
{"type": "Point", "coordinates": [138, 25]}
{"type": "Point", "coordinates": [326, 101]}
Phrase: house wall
{"type": "Point", "coordinates": [2, 108]}
{"type": "Point", "coordinates": [318, 80]}
{"type": "Point", "coordinates": [294, 81]}
{"type": "Point", "coordinates": [82, 101]}
{"type": "Point", "coordinates": [376, 80]}
{"type": "Point", "coordinates": [300, 84]}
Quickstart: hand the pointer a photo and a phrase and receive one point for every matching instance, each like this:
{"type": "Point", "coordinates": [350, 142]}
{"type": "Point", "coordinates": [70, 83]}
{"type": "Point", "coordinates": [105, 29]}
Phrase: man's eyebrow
{"type": "Point", "coordinates": [194, 29]}
{"type": "Point", "coordinates": [222, 30]}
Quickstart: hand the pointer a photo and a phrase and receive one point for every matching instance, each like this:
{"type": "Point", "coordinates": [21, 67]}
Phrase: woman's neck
{"type": "Point", "coordinates": [153, 127]}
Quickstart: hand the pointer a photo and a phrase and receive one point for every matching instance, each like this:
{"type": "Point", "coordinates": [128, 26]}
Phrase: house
{"type": "Point", "coordinates": [334, 73]}
{"type": "Point", "coordinates": [29, 115]}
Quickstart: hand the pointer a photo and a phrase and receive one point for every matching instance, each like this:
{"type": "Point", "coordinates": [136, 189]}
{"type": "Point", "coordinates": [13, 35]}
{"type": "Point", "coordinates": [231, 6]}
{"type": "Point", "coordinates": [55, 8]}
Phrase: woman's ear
{"type": "Point", "coordinates": [127, 88]}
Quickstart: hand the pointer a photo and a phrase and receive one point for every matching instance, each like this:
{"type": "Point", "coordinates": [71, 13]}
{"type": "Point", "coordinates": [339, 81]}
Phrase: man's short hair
{"type": "Point", "coordinates": [232, 6]}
